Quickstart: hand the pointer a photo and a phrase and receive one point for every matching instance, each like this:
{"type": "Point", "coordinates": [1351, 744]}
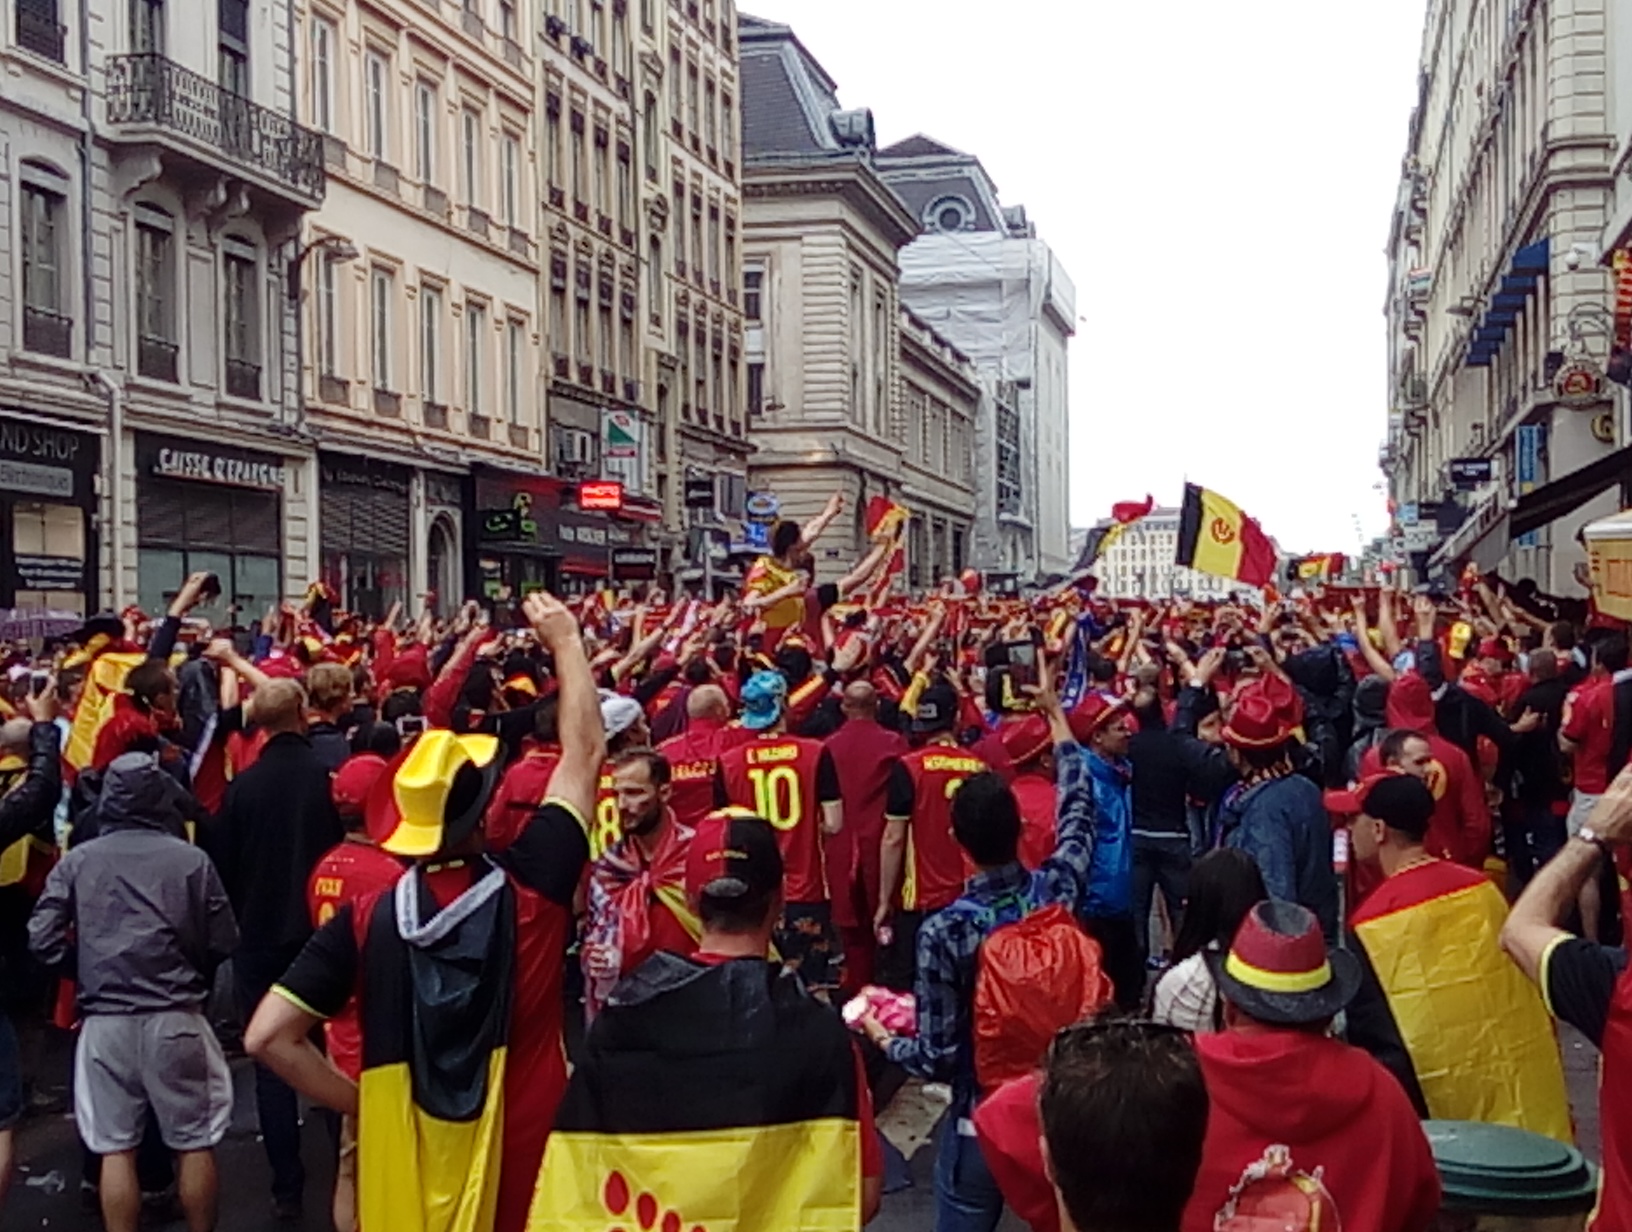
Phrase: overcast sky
{"type": "Point", "coordinates": [1218, 181]}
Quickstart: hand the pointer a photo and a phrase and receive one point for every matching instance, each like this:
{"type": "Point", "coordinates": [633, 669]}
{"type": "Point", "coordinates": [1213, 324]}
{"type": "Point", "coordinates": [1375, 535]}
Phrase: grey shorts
{"type": "Point", "coordinates": [169, 1061]}
{"type": "Point", "coordinates": [1581, 806]}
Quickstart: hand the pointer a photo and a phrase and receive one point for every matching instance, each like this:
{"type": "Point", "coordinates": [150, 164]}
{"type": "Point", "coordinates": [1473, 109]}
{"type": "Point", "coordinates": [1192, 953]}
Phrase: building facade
{"type": "Point", "coordinates": [941, 399]}
{"type": "Point", "coordinates": [152, 184]}
{"type": "Point", "coordinates": [1498, 307]}
{"type": "Point", "coordinates": [980, 276]}
{"type": "Point", "coordinates": [1138, 564]}
{"type": "Point", "coordinates": [687, 104]}
{"type": "Point", "coordinates": [821, 239]}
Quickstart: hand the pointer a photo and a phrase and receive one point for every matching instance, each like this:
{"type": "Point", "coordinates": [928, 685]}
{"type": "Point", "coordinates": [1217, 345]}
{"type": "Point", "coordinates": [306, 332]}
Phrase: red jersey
{"type": "Point", "coordinates": [785, 780]}
{"type": "Point", "coordinates": [864, 753]}
{"type": "Point", "coordinates": [1038, 802]}
{"type": "Point", "coordinates": [934, 867]}
{"type": "Point", "coordinates": [1589, 723]}
{"type": "Point", "coordinates": [520, 792]}
{"type": "Point", "coordinates": [694, 761]}
{"type": "Point", "coordinates": [352, 868]}
{"type": "Point", "coordinates": [1459, 830]}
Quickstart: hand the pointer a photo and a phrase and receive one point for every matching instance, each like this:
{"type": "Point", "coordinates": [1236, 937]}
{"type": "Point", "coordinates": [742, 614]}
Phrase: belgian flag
{"type": "Point", "coordinates": [1216, 537]}
{"type": "Point", "coordinates": [713, 1097]}
{"type": "Point", "coordinates": [1476, 1030]}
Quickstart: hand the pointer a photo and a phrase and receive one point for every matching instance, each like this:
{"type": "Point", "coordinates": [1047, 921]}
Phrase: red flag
{"type": "Point", "coordinates": [884, 516]}
{"type": "Point", "coordinates": [1132, 511]}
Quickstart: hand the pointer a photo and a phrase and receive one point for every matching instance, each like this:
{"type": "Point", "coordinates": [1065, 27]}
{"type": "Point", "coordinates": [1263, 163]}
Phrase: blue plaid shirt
{"type": "Point", "coordinates": [948, 941]}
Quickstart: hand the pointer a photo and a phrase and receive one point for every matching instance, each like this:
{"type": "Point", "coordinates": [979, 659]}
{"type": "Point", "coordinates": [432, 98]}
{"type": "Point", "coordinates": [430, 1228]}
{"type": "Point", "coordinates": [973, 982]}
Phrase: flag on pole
{"type": "Point", "coordinates": [1216, 537]}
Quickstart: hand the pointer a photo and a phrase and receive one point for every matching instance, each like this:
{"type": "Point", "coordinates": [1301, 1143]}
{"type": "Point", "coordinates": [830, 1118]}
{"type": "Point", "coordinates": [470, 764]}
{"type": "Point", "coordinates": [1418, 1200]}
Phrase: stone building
{"type": "Point", "coordinates": [1497, 306]}
{"type": "Point", "coordinates": [152, 185]}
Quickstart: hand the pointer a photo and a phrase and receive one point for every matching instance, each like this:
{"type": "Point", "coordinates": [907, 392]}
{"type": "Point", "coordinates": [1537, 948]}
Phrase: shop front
{"type": "Point", "coordinates": [528, 534]}
{"type": "Point", "coordinates": [365, 526]}
{"type": "Point", "coordinates": [48, 551]}
{"type": "Point", "coordinates": [201, 506]}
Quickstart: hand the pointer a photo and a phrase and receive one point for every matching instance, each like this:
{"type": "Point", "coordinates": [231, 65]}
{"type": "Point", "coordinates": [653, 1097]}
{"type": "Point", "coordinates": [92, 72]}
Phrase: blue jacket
{"type": "Point", "coordinates": [1282, 825]}
{"type": "Point", "coordinates": [1110, 876]}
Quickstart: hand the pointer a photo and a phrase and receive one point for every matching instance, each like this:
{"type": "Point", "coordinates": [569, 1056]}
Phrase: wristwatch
{"type": "Point", "coordinates": [1588, 835]}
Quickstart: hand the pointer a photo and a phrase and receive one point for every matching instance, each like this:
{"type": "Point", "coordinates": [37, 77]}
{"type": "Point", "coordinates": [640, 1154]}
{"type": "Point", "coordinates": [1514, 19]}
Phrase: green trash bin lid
{"type": "Point", "coordinates": [1499, 1170]}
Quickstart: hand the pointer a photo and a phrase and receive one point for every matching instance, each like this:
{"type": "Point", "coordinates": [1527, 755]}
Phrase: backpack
{"type": "Point", "coordinates": [1035, 972]}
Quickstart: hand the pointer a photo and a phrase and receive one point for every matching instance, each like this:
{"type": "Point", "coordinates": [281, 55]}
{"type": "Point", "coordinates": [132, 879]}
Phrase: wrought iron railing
{"type": "Point", "coordinates": [243, 379]}
{"type": "Point", "coordinates": [156, 358]}
{"type": "Point", "coordinates": [47, 333]}
{"type": "Point", "coordinates": [150, 89]}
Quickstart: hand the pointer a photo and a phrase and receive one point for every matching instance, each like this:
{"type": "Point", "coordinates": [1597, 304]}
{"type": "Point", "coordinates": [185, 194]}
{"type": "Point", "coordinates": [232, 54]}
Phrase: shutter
{"type": "Point", "coordinates": [255, 523]}
{"type": "Point", "coordinates": [161, 514]}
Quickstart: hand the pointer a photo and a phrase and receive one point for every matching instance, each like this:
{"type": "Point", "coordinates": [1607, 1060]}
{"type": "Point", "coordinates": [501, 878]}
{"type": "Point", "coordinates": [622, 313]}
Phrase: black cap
{"type": "Point", "coordinates": [1401, 802]}
{"type": "Point", "coordinates": [938, 708]}
{"type": "Point", "coordinates": [733, 854]}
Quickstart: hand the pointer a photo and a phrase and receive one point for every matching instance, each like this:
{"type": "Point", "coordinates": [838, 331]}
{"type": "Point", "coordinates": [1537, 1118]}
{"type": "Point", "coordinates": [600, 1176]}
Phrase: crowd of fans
{"type": "Point", "coordinates": [1195, 910]}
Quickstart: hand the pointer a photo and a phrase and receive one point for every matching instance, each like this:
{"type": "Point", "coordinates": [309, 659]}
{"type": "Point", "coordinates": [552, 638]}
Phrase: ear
{"type": "Point", "coordinates": [1048, 1159]}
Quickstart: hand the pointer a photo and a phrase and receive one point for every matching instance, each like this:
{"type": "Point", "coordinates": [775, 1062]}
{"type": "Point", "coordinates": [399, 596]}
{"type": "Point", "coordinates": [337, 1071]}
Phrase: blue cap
{"type": "Point", "coordinates": [762, 700]}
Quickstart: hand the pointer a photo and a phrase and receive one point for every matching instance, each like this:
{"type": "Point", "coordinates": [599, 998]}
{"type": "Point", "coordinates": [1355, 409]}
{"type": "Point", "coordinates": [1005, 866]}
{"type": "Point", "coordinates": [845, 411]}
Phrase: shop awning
{"type": "Point", "coordinates": [1564, 496]}
{"type": "Point", "coordinates": [1507, 301]}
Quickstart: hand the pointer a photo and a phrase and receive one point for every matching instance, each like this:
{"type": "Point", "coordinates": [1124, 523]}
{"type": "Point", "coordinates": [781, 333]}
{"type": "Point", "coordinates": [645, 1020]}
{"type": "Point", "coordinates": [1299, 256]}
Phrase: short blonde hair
{"type": "Point", "coordinates": [329, 685]}
{"type": "Point", "coordinates": [278, 706]}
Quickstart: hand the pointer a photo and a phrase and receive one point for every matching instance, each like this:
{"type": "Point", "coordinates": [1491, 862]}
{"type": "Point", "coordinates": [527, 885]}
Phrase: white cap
{"type": "Point", "coordinates": [618, 713]}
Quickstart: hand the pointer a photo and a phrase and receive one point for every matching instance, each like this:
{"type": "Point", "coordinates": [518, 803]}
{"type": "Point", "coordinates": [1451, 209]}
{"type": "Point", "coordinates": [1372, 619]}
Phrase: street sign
{"type": "Point", "coordinates": [700, 493]}
{"type": "Point", "coordinates": [602, 494]}
{"type": "Point", "coordinates": [1420, 536]}
{"type": "Point", "coordinates": [1469, 473]}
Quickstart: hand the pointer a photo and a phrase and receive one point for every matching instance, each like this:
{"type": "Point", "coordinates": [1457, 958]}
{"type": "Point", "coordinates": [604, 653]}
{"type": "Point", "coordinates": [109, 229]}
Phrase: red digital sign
{"type": "Point", "coordinates": [605, 494]}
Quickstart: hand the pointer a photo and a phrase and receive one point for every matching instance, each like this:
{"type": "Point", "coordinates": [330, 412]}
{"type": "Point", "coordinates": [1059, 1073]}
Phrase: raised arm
{"type": "Point", "coordinates": [583, 739]}
{"type": "Point", "coordinates": [813, 529]}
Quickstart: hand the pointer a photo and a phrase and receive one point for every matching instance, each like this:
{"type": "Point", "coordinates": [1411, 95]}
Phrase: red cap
{"type": "Point", "coordinates": [1351, 801]}
{"type": "Point", "coordinates": [1093, 713]}
{"type": "Point", "coordinates": [732, 853]}
{"type": "Point", "coordinates": [353, 781]}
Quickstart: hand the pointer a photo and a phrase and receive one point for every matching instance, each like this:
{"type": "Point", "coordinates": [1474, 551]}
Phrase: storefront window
{"type": "Point", "coordinates": [48, 553]}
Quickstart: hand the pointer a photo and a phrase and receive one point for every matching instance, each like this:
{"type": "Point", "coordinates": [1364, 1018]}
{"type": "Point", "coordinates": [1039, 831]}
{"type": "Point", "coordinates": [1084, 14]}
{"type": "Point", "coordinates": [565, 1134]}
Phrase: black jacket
{"type": "Point", "coordinates": [329, 743]}
{"type": "Point", "coordinates": [276, 822]}
{"type": "Point", "coordinates": [28, 808]}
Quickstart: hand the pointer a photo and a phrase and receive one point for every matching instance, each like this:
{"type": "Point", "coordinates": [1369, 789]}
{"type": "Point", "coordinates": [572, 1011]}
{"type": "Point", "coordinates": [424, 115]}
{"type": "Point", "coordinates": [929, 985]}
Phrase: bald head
{"type": "Point", "coordinates": [707, 701]}
{"type": "Point", "coordinates": [14, 735]}
{"type": "Point", "coordinates": [860, 701]}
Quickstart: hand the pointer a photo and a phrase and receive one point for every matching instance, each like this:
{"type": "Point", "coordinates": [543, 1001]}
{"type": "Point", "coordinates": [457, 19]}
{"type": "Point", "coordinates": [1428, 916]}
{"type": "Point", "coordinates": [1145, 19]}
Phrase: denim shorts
{"type": "Point", "coordinates": [11, 1076]}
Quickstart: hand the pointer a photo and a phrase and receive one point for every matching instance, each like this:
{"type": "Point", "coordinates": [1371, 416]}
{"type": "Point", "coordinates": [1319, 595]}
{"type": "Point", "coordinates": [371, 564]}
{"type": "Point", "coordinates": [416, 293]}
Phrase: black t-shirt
{"type": "Point", "coordinates": [1536, 761]}
{"type": "Point", "coordinates": [1578, 979]}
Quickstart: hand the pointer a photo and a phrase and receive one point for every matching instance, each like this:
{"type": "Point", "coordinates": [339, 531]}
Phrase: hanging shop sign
{"type": "Point", "coordinates": [1469, 473]}
{"type": "Point", "coordinates": [762, 507]}
{"type": "Point", "coordinates": [1580, 382]}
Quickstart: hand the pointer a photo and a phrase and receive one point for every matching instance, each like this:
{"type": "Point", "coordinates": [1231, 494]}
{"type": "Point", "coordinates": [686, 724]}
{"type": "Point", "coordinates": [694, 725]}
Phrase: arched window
{"type": "Point", "coordinates": [949, 214]}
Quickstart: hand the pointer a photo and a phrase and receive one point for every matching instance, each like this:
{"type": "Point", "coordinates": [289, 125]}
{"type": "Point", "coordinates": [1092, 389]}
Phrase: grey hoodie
{"type": "Point", "coordinates": [149, 914]}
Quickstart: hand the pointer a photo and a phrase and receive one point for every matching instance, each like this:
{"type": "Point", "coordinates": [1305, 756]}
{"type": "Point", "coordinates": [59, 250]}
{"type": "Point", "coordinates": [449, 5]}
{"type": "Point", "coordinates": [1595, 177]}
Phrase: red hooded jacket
{"type": "Point", "coordinates": [1460, 827]}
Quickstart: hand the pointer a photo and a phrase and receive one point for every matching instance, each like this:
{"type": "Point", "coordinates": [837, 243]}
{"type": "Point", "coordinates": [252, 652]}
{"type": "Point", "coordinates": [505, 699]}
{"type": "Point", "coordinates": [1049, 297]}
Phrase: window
{"type": "Point", "coordinates": [325, 41]}
{"type": "Point", "coordinates": [510, 178]}
{"type": "Point", "coordinates": [730, 251]}
{"type": "Point", "coordinates": [475, 331]}
{"type": "Point", "coordinates": [241, 320]}
{"type": "Point", "coordinates": [598, 33]}
{"type": "Point", "coordinates": [696, 236]}
{"type": "Point", "coordinates": [40, 30]}
{"type": "Point", "coordinates": [430, 343]}
{"type": "Point", "coordinates": [646, 15]}
{"type": "Point", "coordinates": [380, 290]}
{"type": "Point", "coordinates": [881, 363]}
{"type": "Point", "coordinates": [377, 77]}
{"type": "Point", "coordinates": [603, 207]}
{"type": "Point", "coordinates": [155, 294]}
{"type": "Point", "coordinates": [680, 230]}
{"type": "Point", "coordinates": [514, 341]}
{"type": "Point", "coordinates": [710, 136]}
{"type": "Point", "coordinates": [328, 316]}
{"type": "Point", "coordinates": [753, 284]}
{"type": "Point", "coordinates": [559, 343]}
{"type": "Point", "coordinates": [470, 164]}
{"type": "Point", "coordinates": [146, 26]}
{"type": "Point", "coordinates": [580, 327]}
{"type": "Point", "coordinates": [691, 98]}
{"type": "Point", "coordinates": [675, 100]}
{"type": "Point", "coordinates": [626, 189]}
{"type": "Point", "coordinates": [728, 128]}
{"type": "Point", "coordinates": [607, 339]}
{"type": "Point", "coordinates": [552, 140]}
{"type": "Point", "coordinates": [650, 137]}
{"type": "Point", "coordinates": [714, 246]}
{"type": "Point", "coordinates": [858, 325]}
{"type": "Point", "coordinates": [425, 131]}
{"type": "Point", "coordinates": [654, 279]}
{"type": "Point", "coordinates": [577, 157]}
{"type": "Point", "coordinates": [507, 21]}
{"type": "Point", "coordinates": [700, 373]}
{"type": "Point", "coordinates": [1008, 460]}
{"type": "Point", "coordinates": [44, 279]}
{"type": "Point", "coordinates": [232, 21]}
{"type": "Point", "coordinates": [627, 361]}
{"type": "Point", "coordinates": [620, 41]}
{"type": "Point", "coordinates": [733, 395]}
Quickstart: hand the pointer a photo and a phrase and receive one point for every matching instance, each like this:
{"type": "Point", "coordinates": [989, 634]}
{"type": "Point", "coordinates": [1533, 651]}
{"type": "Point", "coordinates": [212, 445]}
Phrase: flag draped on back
{"type": "Point", "coordinates": [1216, 537]}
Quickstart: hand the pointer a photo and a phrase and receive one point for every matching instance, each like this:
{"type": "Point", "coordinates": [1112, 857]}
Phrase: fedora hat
{"type": "Point", "coordinates": [433, 794]}
{"type": "Point", "coordinates": [1257, 722]}
{"type": "Point", "coordinates": [1279, 970]}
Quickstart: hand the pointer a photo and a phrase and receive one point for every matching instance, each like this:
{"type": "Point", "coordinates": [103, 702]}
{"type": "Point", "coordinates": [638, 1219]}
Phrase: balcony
{"type": "Point", "coordinates": [481, 427]}
{"type": "Point", "coordinates": [47, 333]}
{"type": "Point", "coordinates": [386, 178]}
{"type": "Point", "coordinates": [388, 403]}
{"type": "Point", "coordinates": [149, 92]}
{"type": "Point", "coordinates": [335, 390]}
{"type": "Point", "coordinates": [156, 358]}
{"type": "Point", "coordinates": [476, 220]}
{"type": "Point", "coordinates": [520, 436]}
{"type": "Point", "coordinates": [520, 244]}
{"type": "Point", "coordinates": [244, 379]}
{"type": "Point", "coordinates": [434, 200]}
{"type": "Point", "coordinates": [436, 416]}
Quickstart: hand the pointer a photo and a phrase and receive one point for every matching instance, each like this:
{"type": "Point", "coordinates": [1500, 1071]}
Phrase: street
{"type": "Point", "coordinates": [46, 1192]}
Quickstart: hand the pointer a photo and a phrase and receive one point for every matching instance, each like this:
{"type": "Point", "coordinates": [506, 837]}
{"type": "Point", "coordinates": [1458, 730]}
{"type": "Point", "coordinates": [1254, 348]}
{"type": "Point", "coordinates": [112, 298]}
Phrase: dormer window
{"type": "Point", "coordinates": [949, 214]}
